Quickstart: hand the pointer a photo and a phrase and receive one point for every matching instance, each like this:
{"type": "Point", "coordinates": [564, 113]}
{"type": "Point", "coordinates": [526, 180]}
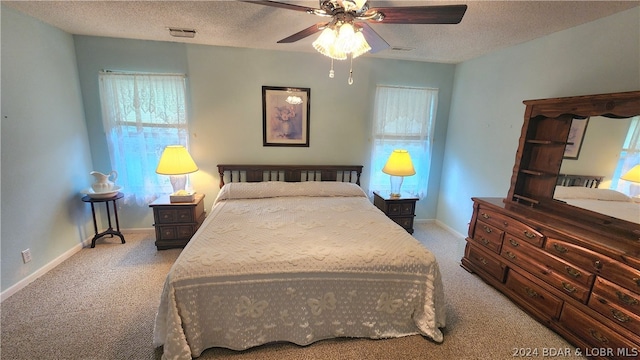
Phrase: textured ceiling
{"type": "Point", "coordinates": [486, 26]}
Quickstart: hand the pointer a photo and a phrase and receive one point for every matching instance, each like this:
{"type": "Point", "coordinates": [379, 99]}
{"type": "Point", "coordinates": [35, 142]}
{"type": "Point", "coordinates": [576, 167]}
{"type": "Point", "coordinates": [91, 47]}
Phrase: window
{"type": "Point", "coordinates": [141, 114]}
{"type": "Point", "coordinates": [403, 119]}
{"type": "Point", "coordinates": [629, 157]}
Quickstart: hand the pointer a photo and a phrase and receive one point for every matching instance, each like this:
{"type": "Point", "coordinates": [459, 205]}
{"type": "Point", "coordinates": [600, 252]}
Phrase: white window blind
{"type": "Point", "coordinates": [403, 119]}
{"type": "Point", "coordinates": [141, 114]}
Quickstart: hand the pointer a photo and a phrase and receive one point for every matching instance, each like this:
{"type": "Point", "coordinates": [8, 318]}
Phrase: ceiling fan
{"type": "Point", "coordinates": [347, 32]}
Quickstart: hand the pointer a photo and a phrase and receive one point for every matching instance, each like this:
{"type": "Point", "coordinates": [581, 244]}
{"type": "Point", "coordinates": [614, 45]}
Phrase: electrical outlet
{"type": "Point", "coordinates": [26, 255]}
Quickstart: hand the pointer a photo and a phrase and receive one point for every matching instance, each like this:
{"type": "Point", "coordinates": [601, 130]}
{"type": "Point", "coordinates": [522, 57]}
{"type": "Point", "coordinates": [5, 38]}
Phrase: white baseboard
{"type": "Point", "coordinates": [442, 225]}
{"type": "Point", "coordinates": [450, 229]}
{"type": "Point", "coordinates": [43, 270]}
{"type": "Point", "coordinates": [55, 262]}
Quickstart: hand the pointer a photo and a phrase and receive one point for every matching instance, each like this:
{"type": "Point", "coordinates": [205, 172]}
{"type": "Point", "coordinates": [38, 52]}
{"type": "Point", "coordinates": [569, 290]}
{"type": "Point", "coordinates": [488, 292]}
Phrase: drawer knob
{"type": "Point", "coordinates": [529, 235]}
{"type": "Point", "coordinates": [626, 299]}
{"type": "Point", "coordinates": [637, 281]}
{"type": "Point", "coordinates": [568, 287]}
{"type": "Point", "coordinates": [618, 315]}
{"type": "Point", "coordinates": [486, 216]}
{"type": "Point", "coordinates": [484, 241]}
{"type": "Point", "coordinates": [511, 255]}
{"type": "Point", "coordinates": [483, 261]}
{"type": "Point", "coordinates": [598, 336]}
{"type": "Point", "coordinates": [530, 292]}
{"type": "Point", "coordinates": [513, 242]}
{"type": "Point", "coordinates": [559, 248]}
{"type": "Point", "coordinates": [573, 272]}
{"type": "Point", "coordinates": [598, 265]}
{"type": "Point", "coordinates": [487, 229]}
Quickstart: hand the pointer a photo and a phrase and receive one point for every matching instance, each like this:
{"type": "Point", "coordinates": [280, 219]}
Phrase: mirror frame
{"type": "Point", "coordinates": [541, 151]}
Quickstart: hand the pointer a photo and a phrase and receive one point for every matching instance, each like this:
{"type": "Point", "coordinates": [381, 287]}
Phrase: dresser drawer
{"type": "Point", "coordinates": [165, 232]}
{"type": "Point", "coordinates": [552, 270]}
{"type": "Point", "coordinates": [174, 215]}
{"type": "Point", "coordinates": [401, 208]}
{"type": "Point", "coordinates": [617, 295]}
{"type": "Point", "coordinates": [617, 304]}
{"type": "Point", "coordinates": [621, 274]}
{"type": "Point", "coordinates": [575, 254]}
{"type": "Point", "coordinates": [592, 331]}
{"type": "Point", "coordinates": [512, 226]}
{"type": "Point", "coordinates": [488, 236]}
{"type": "Point", "coordinates": [405, 222]}
{"type": "Point", "coordinates": [491, 264]}
{"type": "Point", "coordinates": [533, 295]}
{"type": "Point", "coordinates": [553, 263]}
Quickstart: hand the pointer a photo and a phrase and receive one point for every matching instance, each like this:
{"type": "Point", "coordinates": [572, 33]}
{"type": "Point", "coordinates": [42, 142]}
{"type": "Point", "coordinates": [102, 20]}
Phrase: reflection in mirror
{"type": "Point", "coordinates": [590, 178]}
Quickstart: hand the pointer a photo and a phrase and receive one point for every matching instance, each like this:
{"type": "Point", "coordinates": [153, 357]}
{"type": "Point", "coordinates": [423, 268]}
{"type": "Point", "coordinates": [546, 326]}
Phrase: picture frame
{"type": "Point", "coordinates": [575, 139]}
{"type": "Point", "coordinates": [285, 116]}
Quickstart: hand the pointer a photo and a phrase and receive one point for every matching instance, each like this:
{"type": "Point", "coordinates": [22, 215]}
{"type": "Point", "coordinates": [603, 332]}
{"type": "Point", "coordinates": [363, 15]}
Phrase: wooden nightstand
{"type": "Point", "coordinates": [176, 223]}
{"type": "Point", "coordinates": [402, 210]}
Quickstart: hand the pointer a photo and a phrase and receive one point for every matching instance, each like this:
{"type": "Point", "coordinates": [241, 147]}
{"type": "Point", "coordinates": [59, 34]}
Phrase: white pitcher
{"type": "Point", "coordinates": [102, 183]}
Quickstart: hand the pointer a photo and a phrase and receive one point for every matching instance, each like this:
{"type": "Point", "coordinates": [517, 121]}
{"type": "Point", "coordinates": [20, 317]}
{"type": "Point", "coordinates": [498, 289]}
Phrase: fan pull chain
{"type": "Point", "coordinates": [331, 72]}
{"type": "Point", "coordinates": [350, 81]}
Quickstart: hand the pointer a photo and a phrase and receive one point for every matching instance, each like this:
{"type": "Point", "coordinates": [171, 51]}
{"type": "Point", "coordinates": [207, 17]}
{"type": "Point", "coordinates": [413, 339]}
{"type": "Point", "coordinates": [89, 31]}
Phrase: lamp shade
{"type": "Point", "coordinates": [632, 175]}
{"type": "Point", "coordinates": [399, 164]}
{"type": "Point", "coordinates": [175, 160]}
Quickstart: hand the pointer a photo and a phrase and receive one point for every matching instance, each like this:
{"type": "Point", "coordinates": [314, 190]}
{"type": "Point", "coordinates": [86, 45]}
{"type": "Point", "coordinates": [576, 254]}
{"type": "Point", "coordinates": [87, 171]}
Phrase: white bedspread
{"type": "Point", "coordinates": [605, 201]}
{"type": "Point", "coordinates": [629, 211]}
{"type": "Point", "coordinates": [298, 269]}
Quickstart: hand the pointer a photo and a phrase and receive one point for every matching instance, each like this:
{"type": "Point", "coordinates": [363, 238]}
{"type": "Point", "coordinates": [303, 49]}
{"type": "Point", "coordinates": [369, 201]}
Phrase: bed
{"type": "Point", "coordinates": [296, 254]}
{"type": "Point", "coordinates": [582, 191]}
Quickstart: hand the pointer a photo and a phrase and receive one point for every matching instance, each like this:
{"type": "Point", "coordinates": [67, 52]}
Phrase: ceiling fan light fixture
{"type": "Point", "coordinates": [325, 44]}
{"type": "Point", "coordinates": [361, 45]}
{"type": "Point", "coordinates": [346, 38]}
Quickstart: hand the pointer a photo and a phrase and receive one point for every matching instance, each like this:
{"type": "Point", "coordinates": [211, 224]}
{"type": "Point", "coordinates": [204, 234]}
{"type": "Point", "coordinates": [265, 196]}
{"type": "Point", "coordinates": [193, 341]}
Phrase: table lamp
{"type": "Point", "coordinates": [177, 163]}
{"type": "Point", "coordinates": [398, 166]}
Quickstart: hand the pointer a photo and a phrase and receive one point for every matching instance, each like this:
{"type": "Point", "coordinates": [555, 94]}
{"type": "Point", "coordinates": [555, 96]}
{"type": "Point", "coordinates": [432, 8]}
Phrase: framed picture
{"type": "Point", "coordinates": [576, 136]}
{"type": "Point", "coordinates": [285, 116]}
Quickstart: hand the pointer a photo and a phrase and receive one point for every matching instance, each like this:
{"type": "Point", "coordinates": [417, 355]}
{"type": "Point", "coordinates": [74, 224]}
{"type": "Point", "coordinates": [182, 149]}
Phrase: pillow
{"type": "Point", "coordinates": [579, 192]}
{"type": "Point", "coordinates": [270, 189]}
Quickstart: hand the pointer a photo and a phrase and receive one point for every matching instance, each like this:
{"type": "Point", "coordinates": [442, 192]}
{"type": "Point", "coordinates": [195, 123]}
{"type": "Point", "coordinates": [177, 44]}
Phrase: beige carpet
{"type": "Point", "coordinates": [101, 303]}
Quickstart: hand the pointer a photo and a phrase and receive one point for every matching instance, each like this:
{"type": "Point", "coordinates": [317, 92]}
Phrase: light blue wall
{"type": "Point", "coordinates": [45, 148]}
{"type": "Point", "coordinates": [43, 93]}
{"type": "Point", "coordinates": [487, 111]}
{"type": "Point", "coordinates": [225, 86]}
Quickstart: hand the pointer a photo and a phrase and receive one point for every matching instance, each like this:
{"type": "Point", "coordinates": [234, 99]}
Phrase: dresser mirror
{"type": "Point", "coordinates": [540, 161]}
{"type": "Point", "coordinates": [592, 165]}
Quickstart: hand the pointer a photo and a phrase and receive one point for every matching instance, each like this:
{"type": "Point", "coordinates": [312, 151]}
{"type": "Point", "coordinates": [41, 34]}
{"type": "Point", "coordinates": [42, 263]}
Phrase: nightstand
{"type": "Point", "coordinates": [176, 223]}
{"type": "Point", "coordinates": [402, 210]}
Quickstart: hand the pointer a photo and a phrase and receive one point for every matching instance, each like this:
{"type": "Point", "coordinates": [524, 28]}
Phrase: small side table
{"type": "Point", "coordinates": [399, 209]}
{"type": "Point", "coordinates": [110, 230]}
{"type": "Point", "coordinates": [176, 222]}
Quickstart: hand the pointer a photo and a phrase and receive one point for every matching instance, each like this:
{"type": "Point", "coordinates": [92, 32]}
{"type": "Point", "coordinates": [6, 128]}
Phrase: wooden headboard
{"type": "Point", "coordinates": [289, 173]}
{"type": "Point", "coordinates": [579, 180]}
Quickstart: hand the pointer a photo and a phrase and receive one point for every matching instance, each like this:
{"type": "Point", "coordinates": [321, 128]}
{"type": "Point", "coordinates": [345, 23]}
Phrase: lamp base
{"type": "Point", "coordinates": [396, 183]}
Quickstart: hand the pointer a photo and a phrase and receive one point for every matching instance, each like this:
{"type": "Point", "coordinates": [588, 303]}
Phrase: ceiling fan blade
{"type": "Point", "coordinates": [281, 5]}
{"type": "Point", "coordinates": [439, 14]}
{"type": "Point", "coordinates": [374, 40]}
{"type": "Point", "coordinates": [303, 34]}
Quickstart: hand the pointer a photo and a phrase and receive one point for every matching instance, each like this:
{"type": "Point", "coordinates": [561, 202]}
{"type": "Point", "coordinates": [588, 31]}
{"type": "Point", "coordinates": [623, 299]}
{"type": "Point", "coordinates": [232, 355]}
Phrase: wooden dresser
{"type": "Point", "coordinates": [574, 270]}
{"type": "Point", "coordinates": [560, 274]}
